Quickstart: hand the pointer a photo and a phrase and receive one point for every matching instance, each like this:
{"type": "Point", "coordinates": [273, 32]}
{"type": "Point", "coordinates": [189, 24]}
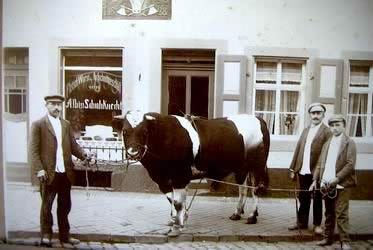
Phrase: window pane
{"type": "Point", "coordinates": [199, 96]}
{"type": "Point", "coordinates": [269, 118]}
{"type": "Point", "coordinates": [177, 95]}
{"type": "Point", "coordinates": [24, 103]}
{"type": "Point", "coordinates": [231, 78]}
{"type": "Point", "coordinates": [289, 124]}
{"type": "Point", "coordinates": [357, 103]}
{"type": "Point", "coordinates": [6, 103]}
{"type": "Point", "coordinates": [289, 101]}
{"type": "Point", "coordinates": [291, 73]}
{"type": "Point", "coordinates": [93, 57]}
{"type": "Point", "coordinates": [20, 82]}
{"type": "Point", "coordinates": [9, 82]}
{"type": "Point", "coordinates": [265, 100]}
{"type": "Point", "coordinates": [92, 97]}
{"type": "Point", "coordinates": [266, 72]}
{"type": "Point", "coordinates": [15, 104]}
{"type": "Point", "coordinates": [359, 76]}
{"type": "Point", "coordinates": [356, 125]}
{"type": "Point", "coordinates": [230, 108]}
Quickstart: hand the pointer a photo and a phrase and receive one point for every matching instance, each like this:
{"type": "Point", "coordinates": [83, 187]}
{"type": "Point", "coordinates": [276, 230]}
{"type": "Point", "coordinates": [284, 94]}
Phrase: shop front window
{"type": "Point", "coordinates": [93, 92]}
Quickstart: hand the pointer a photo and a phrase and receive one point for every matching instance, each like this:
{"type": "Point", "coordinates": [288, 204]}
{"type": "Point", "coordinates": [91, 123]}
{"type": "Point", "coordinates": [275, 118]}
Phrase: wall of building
{"type": "Point", "coordinates": [328, 28]}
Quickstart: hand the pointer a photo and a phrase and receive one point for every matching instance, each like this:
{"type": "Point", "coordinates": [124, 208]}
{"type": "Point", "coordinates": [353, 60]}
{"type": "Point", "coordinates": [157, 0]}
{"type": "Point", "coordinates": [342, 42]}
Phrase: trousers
{"type": "Point", "coordinates": [305, 182]}
{"type": "Point", "coordinates": [61, 187]}
{"type": "Point", "coordinates": [336, 210]}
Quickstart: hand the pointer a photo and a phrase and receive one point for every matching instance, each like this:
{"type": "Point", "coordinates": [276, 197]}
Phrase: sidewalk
{"type": "Point", "coordinates": [107, 216]}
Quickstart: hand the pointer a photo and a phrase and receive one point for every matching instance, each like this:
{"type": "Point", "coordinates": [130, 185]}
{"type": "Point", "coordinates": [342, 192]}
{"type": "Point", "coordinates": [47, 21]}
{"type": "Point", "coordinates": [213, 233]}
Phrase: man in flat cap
{"type": "Point", "coordinates": [335, 171]}
{"type": "Point", "coordinates": [303, 164]}
{"type": "Point", "coordinates": [51, 146]}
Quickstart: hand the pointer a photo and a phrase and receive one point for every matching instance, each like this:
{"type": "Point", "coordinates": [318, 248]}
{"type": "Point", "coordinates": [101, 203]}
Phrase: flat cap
{"type": "Point", "coordinates": [54, 98]}
{"type": "Point", "coordinates": [316, 106]}
{"type": "Point", "coordinates": [336, 118]}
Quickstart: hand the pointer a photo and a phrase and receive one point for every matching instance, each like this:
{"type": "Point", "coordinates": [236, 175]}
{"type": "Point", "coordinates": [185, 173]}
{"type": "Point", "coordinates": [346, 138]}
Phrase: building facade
{"type": "Point", "coordinates": [210, 58]}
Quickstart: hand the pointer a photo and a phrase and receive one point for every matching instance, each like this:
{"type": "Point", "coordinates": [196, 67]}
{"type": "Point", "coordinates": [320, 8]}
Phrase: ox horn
{"type": "Point", "coordinates": [119, 117]}
{"type": "Point", "coordinates": [149, 117]}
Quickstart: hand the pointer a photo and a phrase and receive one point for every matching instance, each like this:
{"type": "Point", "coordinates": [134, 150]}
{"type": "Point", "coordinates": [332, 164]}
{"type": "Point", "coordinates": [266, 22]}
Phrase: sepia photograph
{"type": "Point", "coordinates": [186, 124]}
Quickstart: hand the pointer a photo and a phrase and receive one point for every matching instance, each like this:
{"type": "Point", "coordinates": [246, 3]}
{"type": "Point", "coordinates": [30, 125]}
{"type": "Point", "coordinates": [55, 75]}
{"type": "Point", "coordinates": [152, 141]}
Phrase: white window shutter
{"type": "Point", "coordinates": [328, 84]}
{"type": "Point", "coordinates": [231, 85]}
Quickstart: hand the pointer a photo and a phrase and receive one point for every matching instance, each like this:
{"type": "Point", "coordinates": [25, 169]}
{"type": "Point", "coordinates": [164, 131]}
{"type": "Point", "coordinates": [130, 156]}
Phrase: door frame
{"type": "Point", "coordinates": [188, 74]}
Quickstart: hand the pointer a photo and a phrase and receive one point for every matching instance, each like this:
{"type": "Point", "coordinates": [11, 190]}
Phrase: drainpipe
{"type": "Point", "coordinates": [3, 231]}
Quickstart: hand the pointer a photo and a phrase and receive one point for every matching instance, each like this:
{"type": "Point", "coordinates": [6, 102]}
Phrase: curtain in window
{"type": "Point", "coordinates": [266, 101]}
{"type": "Point", "coordinates": [359, 76]}
{"type": "Point", "coordinates": [266, 72]}
{"type": "Point", "coordinates": [291, 73]}
{"type": "Point", "coordinates": [289, 121]}
{"type": "Point", "coordinates": [357, 114]}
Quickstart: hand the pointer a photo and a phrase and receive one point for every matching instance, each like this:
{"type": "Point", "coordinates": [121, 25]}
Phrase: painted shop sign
{"type": "Point", "coordinates": [90, 104]}
{"type": "Point", "coordinates": [92, 97]}
{"type": "Point", "coordinates": [136, 9]}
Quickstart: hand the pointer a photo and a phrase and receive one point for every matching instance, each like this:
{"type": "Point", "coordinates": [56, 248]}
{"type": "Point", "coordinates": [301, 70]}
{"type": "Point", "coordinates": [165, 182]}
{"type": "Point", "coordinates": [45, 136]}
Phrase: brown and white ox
{"type": "Point", "coordinates": [169, 146]}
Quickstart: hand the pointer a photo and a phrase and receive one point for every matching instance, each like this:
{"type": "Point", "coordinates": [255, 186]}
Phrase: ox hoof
{"type": "Point", "coordinates": [174, 232]}
{"type": "Point", "coordinates": [235, 217]}
{"type": "Point", "coordinates": [252, 220]}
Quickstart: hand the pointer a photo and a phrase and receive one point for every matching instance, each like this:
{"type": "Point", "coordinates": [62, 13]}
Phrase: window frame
{"type": "Point", "coordinates": [278, 87]}
{"type": "Point", "coordinates": [362, 90]}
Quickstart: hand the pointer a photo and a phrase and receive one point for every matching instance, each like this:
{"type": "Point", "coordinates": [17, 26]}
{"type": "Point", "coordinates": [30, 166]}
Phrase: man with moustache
{"type": "Point", "coordinates": [303, 164]}
{"type": "Point", "coordinates": [51, 147]}
{"type": "Point", "coordinates": [335, 171]}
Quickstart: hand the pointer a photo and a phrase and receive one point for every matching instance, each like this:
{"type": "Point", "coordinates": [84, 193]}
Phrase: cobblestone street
{"type": "Point", "coordinates": [138, 218]}
{"type": "Point", "coordinates": [358, 245]}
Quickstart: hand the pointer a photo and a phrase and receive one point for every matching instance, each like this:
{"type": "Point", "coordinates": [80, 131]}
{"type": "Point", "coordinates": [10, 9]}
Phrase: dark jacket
{"type": "Point", "coordinates": [345, 165]}
{"type": "Point", "coordinates": [43, 148]}
{"type": "Point", "coordinates": [322, 135]}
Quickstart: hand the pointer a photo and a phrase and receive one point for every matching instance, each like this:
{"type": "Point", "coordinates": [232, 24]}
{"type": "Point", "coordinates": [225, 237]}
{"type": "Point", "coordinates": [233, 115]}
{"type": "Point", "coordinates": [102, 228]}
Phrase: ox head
{"type": "Point", "coordinates": [133, 129]}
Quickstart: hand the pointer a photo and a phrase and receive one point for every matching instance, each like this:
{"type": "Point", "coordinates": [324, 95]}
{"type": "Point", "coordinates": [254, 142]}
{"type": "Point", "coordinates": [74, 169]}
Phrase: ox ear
{"type": "Point", "coordinates": [117, 122]}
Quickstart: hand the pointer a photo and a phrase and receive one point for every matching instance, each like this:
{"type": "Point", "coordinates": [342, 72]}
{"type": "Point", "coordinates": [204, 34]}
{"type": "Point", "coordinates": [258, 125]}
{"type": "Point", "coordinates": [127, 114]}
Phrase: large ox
{"type": "Point", "coordinates": [169, 146]}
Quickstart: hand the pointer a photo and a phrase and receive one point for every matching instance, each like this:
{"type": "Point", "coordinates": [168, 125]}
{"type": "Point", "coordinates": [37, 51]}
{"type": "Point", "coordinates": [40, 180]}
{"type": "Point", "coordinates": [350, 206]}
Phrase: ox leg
{"type": "Point", "coordinates": [254, 212]}
{"type": "Point", "coordinates": [180, 206]}
{"type": "Point", "coordinates": [241, 202]}
{"type": "Point", "coordinates": [170, 198]}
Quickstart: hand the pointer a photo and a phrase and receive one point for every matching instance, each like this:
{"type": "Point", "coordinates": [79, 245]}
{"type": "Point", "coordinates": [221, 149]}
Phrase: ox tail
{"type": "Point", "coordinates": [263, 178]}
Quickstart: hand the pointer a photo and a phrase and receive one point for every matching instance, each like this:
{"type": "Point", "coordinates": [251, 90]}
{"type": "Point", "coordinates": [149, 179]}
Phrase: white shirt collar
{"type": "Point", "coordinates": [316, 126]}
{"type": "Point", "coordinates": [51, 118]}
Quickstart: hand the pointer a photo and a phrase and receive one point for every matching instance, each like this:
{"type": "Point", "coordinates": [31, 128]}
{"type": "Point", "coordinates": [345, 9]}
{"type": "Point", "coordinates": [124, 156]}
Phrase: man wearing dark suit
{"type": "Point", "coordinates": [335, 171]}
{"type": "Point", "coordinates": [303, 164]}
{"type": "Point", "coordinates": [51, 147]}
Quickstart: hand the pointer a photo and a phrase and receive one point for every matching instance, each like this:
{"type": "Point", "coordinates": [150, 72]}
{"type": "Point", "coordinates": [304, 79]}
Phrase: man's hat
{"type": "Point", "coordinates": [336, 118]}
{"type": "Point", "coordinates": [54, 98]}
{"type": "Point", "coordinates": [316, 106]}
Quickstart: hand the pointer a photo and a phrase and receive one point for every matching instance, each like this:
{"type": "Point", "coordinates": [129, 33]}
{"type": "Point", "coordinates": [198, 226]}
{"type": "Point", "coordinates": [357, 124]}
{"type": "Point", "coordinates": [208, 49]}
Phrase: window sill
{"type": "Point", "coordinates": [283, 143]}
{"type": "Point", "coordinates": [15, 117]}
{"type": "Point", "coordinates": [364, 145]}
{"type": "Point", "coordinates": [287, 143]}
